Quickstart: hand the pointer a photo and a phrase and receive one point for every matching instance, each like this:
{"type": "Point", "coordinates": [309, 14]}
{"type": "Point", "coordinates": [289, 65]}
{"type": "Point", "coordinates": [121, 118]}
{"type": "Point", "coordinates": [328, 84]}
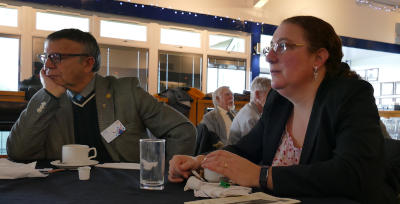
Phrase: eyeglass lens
{"type": "Point", "coordinates": [54, 58]}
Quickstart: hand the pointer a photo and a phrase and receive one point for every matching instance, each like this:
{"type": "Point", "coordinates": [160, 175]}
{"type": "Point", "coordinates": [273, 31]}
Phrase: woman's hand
{"type": "Point", "coordinates": [236, 168]}
{"type": "Point", "coordinates": [181, 166]}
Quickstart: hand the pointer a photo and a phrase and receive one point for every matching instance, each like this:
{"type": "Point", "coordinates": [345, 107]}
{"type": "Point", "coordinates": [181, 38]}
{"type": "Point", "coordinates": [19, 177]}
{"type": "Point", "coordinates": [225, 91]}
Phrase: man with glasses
{"type": "Point", "coordinates": [76, 105]}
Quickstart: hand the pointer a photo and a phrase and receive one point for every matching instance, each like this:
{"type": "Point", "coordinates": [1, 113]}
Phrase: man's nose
{"type": "Point", "coordinates": [49, 64]}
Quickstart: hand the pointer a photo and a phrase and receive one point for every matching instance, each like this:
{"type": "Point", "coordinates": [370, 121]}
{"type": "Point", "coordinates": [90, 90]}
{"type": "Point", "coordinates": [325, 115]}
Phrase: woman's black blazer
{"type": "Point", "coordinates": [342, 155]}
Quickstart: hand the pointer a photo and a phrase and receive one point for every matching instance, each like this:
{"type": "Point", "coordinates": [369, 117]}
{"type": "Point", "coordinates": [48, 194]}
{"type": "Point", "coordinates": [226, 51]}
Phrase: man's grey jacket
{"type": "Point", "coordinates": [47, 123]}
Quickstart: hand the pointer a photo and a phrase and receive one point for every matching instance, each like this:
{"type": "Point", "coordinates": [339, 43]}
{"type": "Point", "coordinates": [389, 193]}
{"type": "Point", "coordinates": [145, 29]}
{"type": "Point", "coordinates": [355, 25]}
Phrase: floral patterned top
{"type": "Point", "coordinates": [287, 154]}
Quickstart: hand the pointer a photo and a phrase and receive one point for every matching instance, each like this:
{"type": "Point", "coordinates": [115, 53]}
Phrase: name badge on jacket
{"type": "Point", "coordinates": [113, 131]}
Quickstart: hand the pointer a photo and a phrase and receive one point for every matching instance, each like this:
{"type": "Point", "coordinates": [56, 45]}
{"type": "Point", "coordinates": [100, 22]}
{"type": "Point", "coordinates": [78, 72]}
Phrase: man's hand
{"type": "Point", "coordinates": [50, 85]}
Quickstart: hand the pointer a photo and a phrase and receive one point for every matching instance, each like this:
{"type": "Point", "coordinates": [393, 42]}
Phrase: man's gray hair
{"type": "Point", "coordinates": [216, 93]}
{"type": "Point", "coordinates": [259, 84]}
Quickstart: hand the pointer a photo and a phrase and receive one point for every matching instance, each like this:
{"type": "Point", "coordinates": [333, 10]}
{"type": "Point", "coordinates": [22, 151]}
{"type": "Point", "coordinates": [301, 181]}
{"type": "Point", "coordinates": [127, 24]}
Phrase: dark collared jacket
{"type": "Point", "coordinates": [343, 153]}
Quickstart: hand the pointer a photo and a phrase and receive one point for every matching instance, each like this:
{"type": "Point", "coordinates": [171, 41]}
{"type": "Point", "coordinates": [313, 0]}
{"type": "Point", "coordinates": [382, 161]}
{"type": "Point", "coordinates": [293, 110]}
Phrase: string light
{"type": "Point", "coordinates": [237, 20]}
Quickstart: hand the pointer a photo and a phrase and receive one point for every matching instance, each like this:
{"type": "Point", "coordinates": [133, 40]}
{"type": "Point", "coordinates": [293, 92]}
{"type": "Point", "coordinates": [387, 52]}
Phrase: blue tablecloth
{"type": "Point", "coordinates": [104, 186]}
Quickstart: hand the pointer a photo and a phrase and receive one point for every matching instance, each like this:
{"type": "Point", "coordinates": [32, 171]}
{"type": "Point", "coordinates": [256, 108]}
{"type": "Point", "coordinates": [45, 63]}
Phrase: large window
{"type": "Point", "coordinates": [128, 31]}
{"type": "Point", "coordinates": [380, 69]}
{"type": "Point", "coordinates": [226, 72]}
{"type": "Point", "coordinates": [9, 63]}
{"type": "Point", "coordinates": [8, 17]}
{"type": "Point", "coordinates": [186, 38]}
{"type": "Point", "coordinates": [54, 21]}
{"type": "Point", "coordinates": [179, 70]}
{"type": "Point", "coordinates": [125, 62]}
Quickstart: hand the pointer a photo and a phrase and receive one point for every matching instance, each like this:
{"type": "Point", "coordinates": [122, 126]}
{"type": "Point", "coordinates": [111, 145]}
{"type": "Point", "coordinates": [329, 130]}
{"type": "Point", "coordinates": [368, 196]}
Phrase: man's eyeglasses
{"type": "Point", "coordinates": [279, 47]}
{"type": "Point", "coordinates": [56, 58]}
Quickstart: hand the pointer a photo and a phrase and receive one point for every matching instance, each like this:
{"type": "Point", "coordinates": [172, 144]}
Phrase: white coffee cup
{"type": "Point", "coordinates": [84, 172]}
{"type": "Point", "coordinates": [212, 176]}
{"type": "Point", "coordinates": [76, 153]}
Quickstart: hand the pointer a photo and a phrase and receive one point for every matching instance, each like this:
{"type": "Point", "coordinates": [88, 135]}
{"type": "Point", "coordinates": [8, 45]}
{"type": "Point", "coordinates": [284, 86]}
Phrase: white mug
{"type": "Point", "coordinates": [212, 176]}
{"type": "Point", "coordinates": [76, 153]}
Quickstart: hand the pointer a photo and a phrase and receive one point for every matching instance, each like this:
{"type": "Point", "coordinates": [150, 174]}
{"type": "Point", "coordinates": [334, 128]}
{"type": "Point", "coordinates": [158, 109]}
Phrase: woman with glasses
{"type": "Point", "coordinates": [319, 134]}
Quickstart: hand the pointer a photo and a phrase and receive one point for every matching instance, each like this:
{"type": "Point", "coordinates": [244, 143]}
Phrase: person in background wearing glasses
{"type": "Point", "coordinates": [76, 105]}
{"type": "Point", "coordinates": [319, 133]}
{"type": "Point", "coordinates": [249, 115]}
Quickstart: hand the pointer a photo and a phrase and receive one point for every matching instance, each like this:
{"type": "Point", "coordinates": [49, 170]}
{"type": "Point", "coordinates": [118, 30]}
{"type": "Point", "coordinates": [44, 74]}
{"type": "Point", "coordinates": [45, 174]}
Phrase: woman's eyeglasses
{"type": "Point", "coordinates": [279, 47]}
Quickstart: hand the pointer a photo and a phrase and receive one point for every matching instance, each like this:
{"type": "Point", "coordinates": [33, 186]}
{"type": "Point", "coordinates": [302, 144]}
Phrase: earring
{"type": "Point", "coordinates": [315, 73]}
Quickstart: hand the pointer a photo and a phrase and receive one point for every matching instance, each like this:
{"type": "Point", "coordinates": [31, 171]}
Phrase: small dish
{"type": "Point", "coordinates": [58, 164]}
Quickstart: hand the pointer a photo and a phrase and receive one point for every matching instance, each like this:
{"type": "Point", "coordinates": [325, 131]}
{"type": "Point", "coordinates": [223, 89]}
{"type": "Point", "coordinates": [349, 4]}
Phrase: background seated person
{"type": "Point", "coordinates": [249, 115]}
{"type": "Point", "coordinates": [319, 134]}
{"type": "Point", "coordinates": [219, 120]}
{"type": "Point", "coordinates": [76, 105]}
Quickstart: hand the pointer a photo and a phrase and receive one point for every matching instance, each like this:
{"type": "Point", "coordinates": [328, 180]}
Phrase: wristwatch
{"type": "Point", "coordinates": [263, 177]}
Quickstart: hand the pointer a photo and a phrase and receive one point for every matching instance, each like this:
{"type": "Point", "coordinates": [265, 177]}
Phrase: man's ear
{"type": "Point", "coordinates": [89, 63]}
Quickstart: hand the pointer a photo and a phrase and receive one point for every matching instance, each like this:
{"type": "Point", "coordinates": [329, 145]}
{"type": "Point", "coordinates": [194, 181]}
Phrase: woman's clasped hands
{"type": "Point", "coordinates": [238, 169]}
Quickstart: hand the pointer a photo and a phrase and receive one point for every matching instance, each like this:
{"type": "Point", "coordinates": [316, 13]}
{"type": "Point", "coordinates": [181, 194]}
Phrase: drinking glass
{"type": "Point", "coordinates": [152, 164]}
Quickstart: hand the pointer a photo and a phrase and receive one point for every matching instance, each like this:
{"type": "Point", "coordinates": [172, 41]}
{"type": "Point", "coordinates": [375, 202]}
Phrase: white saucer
{"type": "Point", "coordinates": [60, 165]}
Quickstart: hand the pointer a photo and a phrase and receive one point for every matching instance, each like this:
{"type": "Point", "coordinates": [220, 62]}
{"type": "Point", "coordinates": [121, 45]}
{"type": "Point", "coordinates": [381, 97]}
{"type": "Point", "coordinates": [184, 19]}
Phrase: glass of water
{"type": "Point", "coordinates": [152, 164]}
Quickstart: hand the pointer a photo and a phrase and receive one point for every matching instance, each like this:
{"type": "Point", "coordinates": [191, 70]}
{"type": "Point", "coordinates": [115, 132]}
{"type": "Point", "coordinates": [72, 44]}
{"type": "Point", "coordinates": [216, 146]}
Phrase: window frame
{"type": "Point", "coordinates": [228, 54]}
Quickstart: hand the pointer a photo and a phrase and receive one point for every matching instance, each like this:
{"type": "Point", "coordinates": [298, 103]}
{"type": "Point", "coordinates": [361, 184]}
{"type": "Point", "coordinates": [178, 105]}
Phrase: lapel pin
{"type": "Point", "coordinates": [108, 95]}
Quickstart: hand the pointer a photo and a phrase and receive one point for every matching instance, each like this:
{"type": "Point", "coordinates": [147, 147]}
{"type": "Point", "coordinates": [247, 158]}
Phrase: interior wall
{"type": "Point", "coordinates": [348, 18]}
